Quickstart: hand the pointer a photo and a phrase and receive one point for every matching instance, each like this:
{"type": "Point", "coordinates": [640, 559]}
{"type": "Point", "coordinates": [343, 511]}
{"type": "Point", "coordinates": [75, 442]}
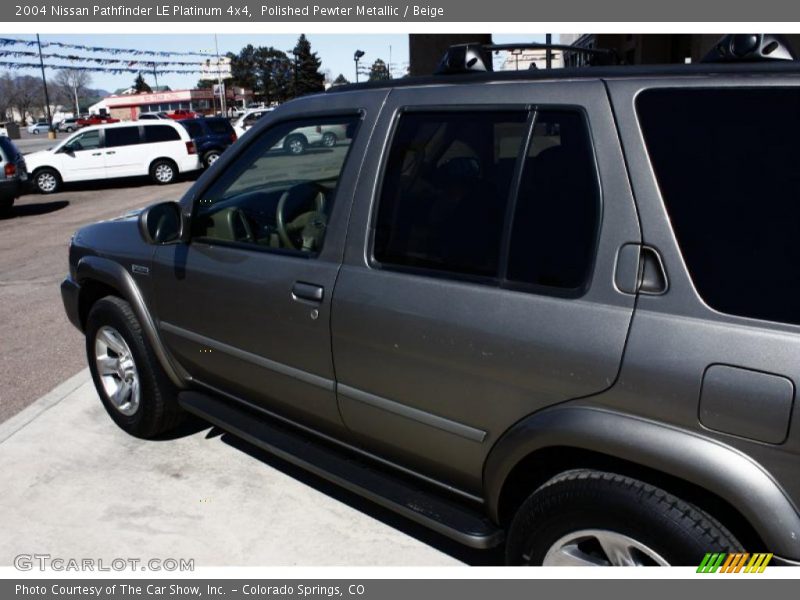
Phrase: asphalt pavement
{"type": "Point", "coordinates": [39, 348]}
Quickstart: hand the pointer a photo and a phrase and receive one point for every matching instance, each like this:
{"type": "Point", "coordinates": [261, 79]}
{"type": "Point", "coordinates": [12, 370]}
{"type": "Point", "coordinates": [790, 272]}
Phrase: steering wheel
{"type": "Point", "coordinates": [311, 222]}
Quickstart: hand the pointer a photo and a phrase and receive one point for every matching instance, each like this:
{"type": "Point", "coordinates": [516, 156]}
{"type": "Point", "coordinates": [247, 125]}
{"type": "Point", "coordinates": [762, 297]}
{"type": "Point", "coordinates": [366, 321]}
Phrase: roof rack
{"type": "Point", "coordinates": [470, 58]}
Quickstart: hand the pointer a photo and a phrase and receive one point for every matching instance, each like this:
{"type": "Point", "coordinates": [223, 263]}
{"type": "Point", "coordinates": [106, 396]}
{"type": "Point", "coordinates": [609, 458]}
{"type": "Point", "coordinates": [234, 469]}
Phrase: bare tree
{"type": "Point", "coordinates": [27, 94]}
{"type": "Point", "coordinates": [73, 83]}
{"type": "Point", "coordinates": [6, 94]}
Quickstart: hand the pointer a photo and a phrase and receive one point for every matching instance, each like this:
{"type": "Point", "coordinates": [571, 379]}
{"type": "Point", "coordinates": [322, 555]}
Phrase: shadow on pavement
{"type": "Point", "coordinates": [470, 556]}
{"type": "Point", "coordinates": [30, 210]}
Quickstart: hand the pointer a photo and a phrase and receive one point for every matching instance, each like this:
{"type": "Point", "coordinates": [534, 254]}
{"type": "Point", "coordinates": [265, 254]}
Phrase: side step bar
{"type": "Point", "coordinates": [347, 470]}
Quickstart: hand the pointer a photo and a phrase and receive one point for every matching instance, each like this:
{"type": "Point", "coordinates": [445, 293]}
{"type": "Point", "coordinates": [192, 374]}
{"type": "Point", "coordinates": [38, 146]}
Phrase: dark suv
{"type": "Point", "coordinates": [211, 136]}
{"type": "Point", "coordinates": [555, 309]}
{"type": "Point", "coordinates": [13, 174]}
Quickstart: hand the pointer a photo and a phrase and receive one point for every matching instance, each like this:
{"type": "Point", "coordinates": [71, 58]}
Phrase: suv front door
{"type": "Point", "coordinates": [245, 305]}
{"type": "Point", "coordinates": [478, 284]}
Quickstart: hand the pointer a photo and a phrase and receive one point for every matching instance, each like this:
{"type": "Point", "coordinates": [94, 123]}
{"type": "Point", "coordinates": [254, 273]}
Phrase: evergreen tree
{"type": "Point", "coordinates": [274, 75]}
{"type": "Point", "coordinates": [140, 85]}
{"type": "Point", "coordinates": [340, 80]}
{"type": "Point", "coordinates": [379, 71]}
{"type": "Point", "coordinates": [243, 68]}
{"type": "Point", "coordinates": [307, 78]}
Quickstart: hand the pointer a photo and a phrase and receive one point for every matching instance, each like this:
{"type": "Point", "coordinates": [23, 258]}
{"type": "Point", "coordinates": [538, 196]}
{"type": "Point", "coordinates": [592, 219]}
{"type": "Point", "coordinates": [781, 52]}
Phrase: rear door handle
{"type": "Point", "coordinates": [96, 153]}
{"type": "Point", "coordinates": [307, 291]}
{"type": "Point", "coordinates": [111, 152]}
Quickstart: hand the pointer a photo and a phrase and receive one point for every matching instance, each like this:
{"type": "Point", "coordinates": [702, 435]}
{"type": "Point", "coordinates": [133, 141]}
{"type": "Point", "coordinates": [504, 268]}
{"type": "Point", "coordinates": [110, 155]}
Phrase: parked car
{"type": "Point", "coordinates": [211, 136]}
{"type": "Point", "coordinates": [39, 126]}
{"type": "Point", "coordinates": [69, 124]}
{"type": "Point", "coordinates": [95, 120]}
{"type": "Point", "coordinates": [13, 174]}
{"type": "Point", "coordinates": [248, 119]}
{"type": "Point", "coordinates": [160, 149]}
{"type": "Point", "coordinates": [153, 116]}
{"type": "Point", "coordinates": [181, 114]}
{"type": "Point", "coordinates": [561, 304]}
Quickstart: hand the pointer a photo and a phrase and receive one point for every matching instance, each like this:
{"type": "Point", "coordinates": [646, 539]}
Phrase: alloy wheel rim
{"type": "Point", "coordinates": [329, 140]}
{"type": "Point", "coordinates": [163, 173]}
{"type": "Point", "coordinates": [47, 182]}
{"type": "Point", "coordinates": [212, 158]}
{"type": "Point", "coordinates": [117, 370]}
{"type": "Point", "coordinates": [599, 547]}
{"type": "Point", "coordinates": [296, 146]}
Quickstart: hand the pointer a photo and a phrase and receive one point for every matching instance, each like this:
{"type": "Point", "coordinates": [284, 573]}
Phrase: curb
{"type": "Point", "coordinates": [46, 402]}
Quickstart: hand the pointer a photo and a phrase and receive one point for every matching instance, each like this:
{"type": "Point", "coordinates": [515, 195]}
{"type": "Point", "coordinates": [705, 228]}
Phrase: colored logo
{"type": "Point", "coordinates": [743, 562]}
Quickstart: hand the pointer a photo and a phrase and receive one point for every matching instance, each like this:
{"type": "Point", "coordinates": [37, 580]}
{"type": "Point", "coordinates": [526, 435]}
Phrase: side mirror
{"type": "Point", "coordinates": [161, 223]}
{"type": "Point", "coordinates": [68, 150]}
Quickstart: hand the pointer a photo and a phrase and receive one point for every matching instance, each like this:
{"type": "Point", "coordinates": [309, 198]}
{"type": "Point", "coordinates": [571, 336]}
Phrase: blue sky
{"type": "Point", "coordinates": [335, 50]}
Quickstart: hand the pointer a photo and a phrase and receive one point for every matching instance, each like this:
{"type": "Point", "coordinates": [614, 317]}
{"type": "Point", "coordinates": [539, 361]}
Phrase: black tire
{"type": "Point", "coordinates": [35, 132]}
{"type": "Point", "coordinates": [211, 156]}
{"type": "Point", "coordinates": [329, 139]}
{"type": "Point", "coordinates": [579, 500]}
{"type": "Point", "coordinates": [47, 180]}
{"type": "Point", "coordinates": [163, 171]}
{"type": "Point", "coordinates": [158, 409]}
{"type": "Point", "coordinates": [295, 145]}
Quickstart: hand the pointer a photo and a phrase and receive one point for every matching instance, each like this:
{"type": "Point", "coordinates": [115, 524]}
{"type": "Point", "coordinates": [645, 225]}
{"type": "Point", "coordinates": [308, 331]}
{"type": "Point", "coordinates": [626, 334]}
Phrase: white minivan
{"type": "Point", "coordinates": [160, 149]}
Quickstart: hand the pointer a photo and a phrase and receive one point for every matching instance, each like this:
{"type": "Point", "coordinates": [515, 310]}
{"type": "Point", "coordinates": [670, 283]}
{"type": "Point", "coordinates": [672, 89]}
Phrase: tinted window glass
{"type": "Point", "coordinates": [195, 129]}
{"type": "Point", "coordinates": [219, 126]}
{"type": "Point", "coordinates": [726, 161]}
{"type": "Point", "coordinates": [446, 188]}
{"type": "Point", "coordinates": [160, 133]}
{"type": "Point", "coordinates": [556, 216]}
{"type": "Point", "coordinates": [279, 194]}
{"type": "Point", "coordinates": [122, 136]}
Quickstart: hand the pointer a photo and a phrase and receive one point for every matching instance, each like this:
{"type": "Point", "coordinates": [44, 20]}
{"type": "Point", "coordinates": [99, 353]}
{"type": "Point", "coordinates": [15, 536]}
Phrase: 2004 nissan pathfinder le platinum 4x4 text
{"type": "Point", "coordinates": [556, 310]}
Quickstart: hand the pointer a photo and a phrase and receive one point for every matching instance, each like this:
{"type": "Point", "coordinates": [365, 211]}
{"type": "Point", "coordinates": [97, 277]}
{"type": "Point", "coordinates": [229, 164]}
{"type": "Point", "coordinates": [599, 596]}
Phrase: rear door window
{"type": "Point", "coordinates": [121, 136]}
{"type": "Point", "coordinates": [726, 161]}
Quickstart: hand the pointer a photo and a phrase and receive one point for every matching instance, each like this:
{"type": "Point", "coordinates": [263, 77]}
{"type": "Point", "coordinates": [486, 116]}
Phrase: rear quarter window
{"type": "Point", "coordinates": [726, 161]}
{"type": "Point", "coordinates": [160, 133]}
{"type": "Point", "coordinates": [219, 126]}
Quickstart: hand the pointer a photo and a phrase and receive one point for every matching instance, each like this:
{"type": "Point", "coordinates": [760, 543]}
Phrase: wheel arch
{"type": "Point", "coordinates": [99, 277]}
{"type": "Point", "coordinates": [164, 158]}
{"type": "Point", "coordinates": [712, 475]}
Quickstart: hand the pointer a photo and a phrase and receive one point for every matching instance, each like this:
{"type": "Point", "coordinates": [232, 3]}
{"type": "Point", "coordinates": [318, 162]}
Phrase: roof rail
{"type": "Point", "coordinates": [467, 58]}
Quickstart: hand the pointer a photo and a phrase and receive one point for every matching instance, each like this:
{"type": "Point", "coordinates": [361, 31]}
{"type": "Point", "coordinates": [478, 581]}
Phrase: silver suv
{"type": "Point", "coordinates": [556, 310]}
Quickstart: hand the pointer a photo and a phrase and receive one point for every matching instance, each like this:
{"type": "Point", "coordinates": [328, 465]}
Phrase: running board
{"type": "Point", "coordinates": [356, 474]}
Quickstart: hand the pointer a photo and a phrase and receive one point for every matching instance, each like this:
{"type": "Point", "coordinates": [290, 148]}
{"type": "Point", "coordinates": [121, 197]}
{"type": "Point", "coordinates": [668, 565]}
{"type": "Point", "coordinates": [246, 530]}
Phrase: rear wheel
{"type": "Point", "coordinates": [47, 180]}
{"type": "Point", "coordinates": [210, 157]}
{"type": "Point", "coordinates": [163, 171]}
{"type": "Point", "coordinates": [329, 139]}
{"type": "Point", "coordinates": [134, 389]}
{"type": "Point", "coordinates": [593, 518]}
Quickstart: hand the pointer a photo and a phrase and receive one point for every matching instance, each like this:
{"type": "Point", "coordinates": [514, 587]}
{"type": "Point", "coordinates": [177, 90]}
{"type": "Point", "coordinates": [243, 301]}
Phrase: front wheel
{"type": "Point", "coordinates": [163, 172]}
{"type": "Point", "coordinates": [329, 139]}
{"type": "Point", "coordinates": [134, 389]}
{"type": "Point", "coordinates": [35, 132]}
{"type": "Point", "coordinates": [294, 145]}
{"type": "Point", "coordinates": [592, 518]}
{"type": "Point", "coordinates": [47, 181]}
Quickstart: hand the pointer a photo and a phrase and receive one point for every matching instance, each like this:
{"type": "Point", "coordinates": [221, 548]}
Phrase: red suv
{"type": "Point", "coordinates": [181, 114]}
{"type": "Point", "coordinates": [96, 120]}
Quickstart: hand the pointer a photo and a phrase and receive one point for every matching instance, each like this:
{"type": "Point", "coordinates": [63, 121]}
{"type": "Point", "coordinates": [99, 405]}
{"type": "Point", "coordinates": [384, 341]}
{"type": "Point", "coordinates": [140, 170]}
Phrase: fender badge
{"type": "Point", "coordinates": [140, 270]}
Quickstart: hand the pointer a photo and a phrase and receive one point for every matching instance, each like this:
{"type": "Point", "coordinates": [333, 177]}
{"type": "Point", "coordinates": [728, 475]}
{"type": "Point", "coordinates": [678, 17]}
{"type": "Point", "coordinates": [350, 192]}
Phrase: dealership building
{"type": "Point", "coordinates": [128, 106]}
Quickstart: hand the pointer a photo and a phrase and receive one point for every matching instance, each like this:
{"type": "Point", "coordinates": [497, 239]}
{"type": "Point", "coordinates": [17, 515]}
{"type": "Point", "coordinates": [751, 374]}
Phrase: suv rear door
{"type": "Point", "coordinates": [440, 342]}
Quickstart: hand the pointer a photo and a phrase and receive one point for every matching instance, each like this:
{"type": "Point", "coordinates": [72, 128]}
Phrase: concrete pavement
{"type": "Point", "coordinates": [75, 486]}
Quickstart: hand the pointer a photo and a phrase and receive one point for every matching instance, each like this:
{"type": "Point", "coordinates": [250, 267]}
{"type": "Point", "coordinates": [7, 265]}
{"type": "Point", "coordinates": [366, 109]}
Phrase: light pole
{"type": "Point", "coordinates": [50, 130]}
{"type": "Point", "coordinates": [221, 88]}
{"type": "Point", "coordinates": [356, 57]}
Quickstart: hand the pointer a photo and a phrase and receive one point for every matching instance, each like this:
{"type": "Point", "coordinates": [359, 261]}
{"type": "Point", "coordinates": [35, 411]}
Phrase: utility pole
{"type": "Point", "coordinates": [220, 87]}
{"type": "Point", "coordinates": [50, 131]}
{"type": "Point", "coordinates": [548, 52]}
{"type": "Point", "coordinates": [155, 76]}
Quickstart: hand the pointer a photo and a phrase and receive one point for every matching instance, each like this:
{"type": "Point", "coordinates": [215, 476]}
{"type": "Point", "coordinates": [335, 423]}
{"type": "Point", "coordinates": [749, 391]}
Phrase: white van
{"type": "Point", "coordinates": [160, 149]}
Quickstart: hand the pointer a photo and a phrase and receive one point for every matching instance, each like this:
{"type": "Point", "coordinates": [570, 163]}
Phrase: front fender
{"type": "Point", "coordinates": [103, 270]}
{"type": "Point", "coordinates": [705, 462]}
